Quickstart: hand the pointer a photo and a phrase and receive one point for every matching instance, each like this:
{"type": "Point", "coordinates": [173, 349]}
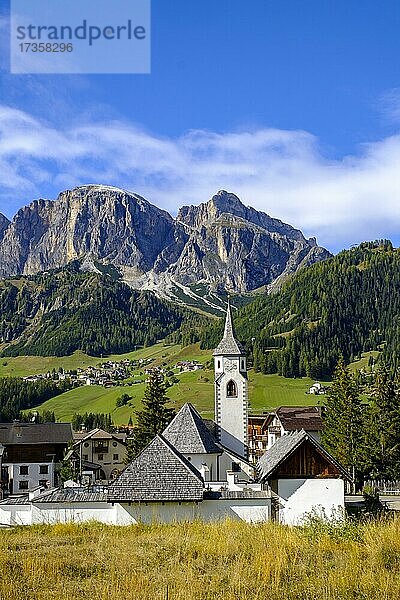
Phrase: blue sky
{"type": "Point", "coordinates": [294, 106]}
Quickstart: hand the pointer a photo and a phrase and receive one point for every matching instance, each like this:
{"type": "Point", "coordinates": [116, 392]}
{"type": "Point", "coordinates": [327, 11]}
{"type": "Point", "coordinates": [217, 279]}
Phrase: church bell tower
{"type": "Point", "coordinates": [231, 397]}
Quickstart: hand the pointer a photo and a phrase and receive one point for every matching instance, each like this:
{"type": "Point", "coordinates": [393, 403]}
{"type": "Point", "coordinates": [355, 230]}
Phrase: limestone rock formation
{"type": "Point", "coordinates": [218, 243]}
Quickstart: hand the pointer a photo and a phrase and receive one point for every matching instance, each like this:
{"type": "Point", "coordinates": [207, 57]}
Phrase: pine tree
{"type": "Point", "coordinates": [343, 432]}
{"type": "Point", "coordinates": [155, 415]}
{"type": "Point", "coordinates": [383, 427]}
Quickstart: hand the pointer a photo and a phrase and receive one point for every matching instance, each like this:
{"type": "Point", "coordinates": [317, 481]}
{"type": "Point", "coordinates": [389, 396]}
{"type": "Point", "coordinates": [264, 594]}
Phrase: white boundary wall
{"type": "Point", "coordinates": [250, 510]}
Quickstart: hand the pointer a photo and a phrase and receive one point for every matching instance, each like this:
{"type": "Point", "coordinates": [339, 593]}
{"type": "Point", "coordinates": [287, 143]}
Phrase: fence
{"type": "Point", "coordinates": [384, 487]}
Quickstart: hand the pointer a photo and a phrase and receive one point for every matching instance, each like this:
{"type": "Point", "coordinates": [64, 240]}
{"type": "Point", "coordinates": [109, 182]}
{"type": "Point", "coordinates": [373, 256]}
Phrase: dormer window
{"type": "Point", "coordinates": [231, 389]}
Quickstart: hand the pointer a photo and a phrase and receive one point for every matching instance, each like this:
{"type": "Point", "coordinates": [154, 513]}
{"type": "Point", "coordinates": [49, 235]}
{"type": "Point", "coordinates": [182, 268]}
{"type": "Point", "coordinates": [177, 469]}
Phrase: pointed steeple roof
{"type": "Point", "coordinates": [188, 433]}
{"type": "Point", "coordinates": [228, 344]}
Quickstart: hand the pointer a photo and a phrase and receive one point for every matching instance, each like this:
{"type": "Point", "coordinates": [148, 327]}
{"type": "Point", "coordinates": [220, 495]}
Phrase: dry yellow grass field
{"type": "Point", "coordinates": [229, 561]}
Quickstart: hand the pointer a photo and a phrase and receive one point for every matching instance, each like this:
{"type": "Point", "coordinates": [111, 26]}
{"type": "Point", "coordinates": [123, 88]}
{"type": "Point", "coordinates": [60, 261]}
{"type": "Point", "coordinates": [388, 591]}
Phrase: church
{"type": "Point", "coordinates": [199, 469]}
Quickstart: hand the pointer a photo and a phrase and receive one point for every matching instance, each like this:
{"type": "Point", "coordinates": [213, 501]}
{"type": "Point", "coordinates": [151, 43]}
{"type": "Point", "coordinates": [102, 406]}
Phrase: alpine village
{"type": "Point", "coordinates": [197, 371]}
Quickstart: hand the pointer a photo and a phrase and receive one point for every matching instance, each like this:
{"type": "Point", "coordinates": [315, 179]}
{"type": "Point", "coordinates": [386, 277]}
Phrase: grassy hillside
{"type": "Point", "coordinates": [266, 392]}
{"type": "Point", "coordinates": [225, 561]}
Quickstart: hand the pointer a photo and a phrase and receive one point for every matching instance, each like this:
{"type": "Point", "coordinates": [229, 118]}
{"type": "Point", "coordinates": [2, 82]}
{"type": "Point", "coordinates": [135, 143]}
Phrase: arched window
{"type": "Point", "coordinates": [231, 389]}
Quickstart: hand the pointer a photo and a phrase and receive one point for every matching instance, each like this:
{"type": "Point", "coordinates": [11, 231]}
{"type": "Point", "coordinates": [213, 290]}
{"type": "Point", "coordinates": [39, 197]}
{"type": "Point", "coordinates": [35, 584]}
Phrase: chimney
{"type": "Point", "coordinates": [231, 478]}
{"type": "Point", "coordinates": [205, 472]}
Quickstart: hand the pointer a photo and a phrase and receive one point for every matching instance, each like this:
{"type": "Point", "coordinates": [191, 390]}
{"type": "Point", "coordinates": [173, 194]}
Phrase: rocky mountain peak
{"type": "Point", "coordinates": [227, 202]}
{"type": "Point", "coordinates": [218, 243]}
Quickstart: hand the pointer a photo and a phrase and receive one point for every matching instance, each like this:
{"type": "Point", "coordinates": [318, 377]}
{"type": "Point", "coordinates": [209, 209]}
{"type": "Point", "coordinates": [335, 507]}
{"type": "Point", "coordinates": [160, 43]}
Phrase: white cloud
{"type": "Point", "coordinates": [283, 173]}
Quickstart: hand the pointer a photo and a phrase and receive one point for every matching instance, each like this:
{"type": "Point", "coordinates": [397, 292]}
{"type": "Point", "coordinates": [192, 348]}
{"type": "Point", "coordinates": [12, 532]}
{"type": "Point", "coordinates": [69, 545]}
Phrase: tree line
{"type": "Point", "coordinates": [343, 306]}
{"type": "Point", "coordinates": [56, 313]}
{"type": "Point", "coordinates": [17, 395]}
{"type": "Point", "coordinates": [363, 431]}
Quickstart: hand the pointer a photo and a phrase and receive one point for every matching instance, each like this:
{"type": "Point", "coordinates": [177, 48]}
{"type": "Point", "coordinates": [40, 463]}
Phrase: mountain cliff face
{"type": "Point", "coordinates": [4, 223]}
{"type": "Point", "coordinates": [218, 243]}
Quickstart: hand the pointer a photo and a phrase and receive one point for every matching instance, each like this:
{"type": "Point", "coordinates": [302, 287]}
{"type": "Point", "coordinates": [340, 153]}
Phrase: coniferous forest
{"type": "Point", "coordinates": [17, 395]}
{"type": "Point", "coordinates": [58, 312]}
{"type": "Point", "coordinates": [342, 306]}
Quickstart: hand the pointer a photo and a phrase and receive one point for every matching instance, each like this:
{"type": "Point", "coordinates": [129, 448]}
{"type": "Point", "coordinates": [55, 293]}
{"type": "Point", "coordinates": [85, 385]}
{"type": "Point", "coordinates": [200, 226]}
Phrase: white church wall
{"type": "Point", "coordinates": [250, 510]}
{"type": "Point", "coordinates": [5, 516]}
{"type": "Point", "coordinates": [299, 497]}
{"type": "Point", "coordinates": [210, 460]}
{"type": "Point", "coordinates": [226, 461]}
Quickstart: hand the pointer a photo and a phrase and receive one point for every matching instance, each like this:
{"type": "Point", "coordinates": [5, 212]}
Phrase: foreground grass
{"type": "Point", "coordinates": [229, 561]}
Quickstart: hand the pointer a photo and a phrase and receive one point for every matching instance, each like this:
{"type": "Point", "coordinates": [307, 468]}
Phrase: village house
{"type": "Point", "coordinates": [303, 478]}
{"type": "Point", "coordinates": [31, 454]}
{"type": "Point", "coordinates": [287, 419]}
{"type": "Point", "coordinates": [258, 436]}
{"type": "Point", "coordinates": [101, 452]}
{"type": "Point", "coordinates": [196, 469]}
{"type": "Point", "coordinates": [265, 429]}
{"type": "Point", "coordinates": [317, 389]}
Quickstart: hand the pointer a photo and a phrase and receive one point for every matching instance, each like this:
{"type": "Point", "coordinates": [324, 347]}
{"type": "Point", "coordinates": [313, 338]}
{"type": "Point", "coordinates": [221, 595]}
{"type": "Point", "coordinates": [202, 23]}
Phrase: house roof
{"type": "Point", "coordinates": [244, 494]}
{"type": "Point", "coordinates": [229, 345]}
{"type": "Point", "coordinates": [160, 473]}
{"type": "Point", "coordinates": [72, 494]}
{"type": "Point", "coordinates": [16, 500]}
{"type": "Point", "coordinates": [284, 447]}
{"type": "Point", "coordinates": [99, 434]}
{"type": "Point", "coordinates": [18, 433]}
{"type": "Point", "coordinates": [294, 418]}
{"type": "Point", "coordinates": [189, 434]}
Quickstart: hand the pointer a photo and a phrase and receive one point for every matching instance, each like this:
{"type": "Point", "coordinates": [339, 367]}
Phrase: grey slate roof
{"type": "Point", "coordinates": [189, 434]}
{"type": "Point", "coordinates": [71, 495]}
{"type": "Point", "coordinates": [229, 345]}
{"type": "Point", "coordinates": [158, 474]}
{"type": "Point", "coordinates": [98, 434]}
{"type": "Point", "coordinates": [245, 494]}
{"type": "Point", "coordinates": [35, 433]}
{"type": "Point", "coordinates": [16, 500]}
{"type": "Point", "coordinates": [284, 447]}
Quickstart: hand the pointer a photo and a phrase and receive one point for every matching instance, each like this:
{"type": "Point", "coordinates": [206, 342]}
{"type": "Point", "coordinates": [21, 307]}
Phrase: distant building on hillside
{"type": "Point", "coordinates": [317, 389]}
